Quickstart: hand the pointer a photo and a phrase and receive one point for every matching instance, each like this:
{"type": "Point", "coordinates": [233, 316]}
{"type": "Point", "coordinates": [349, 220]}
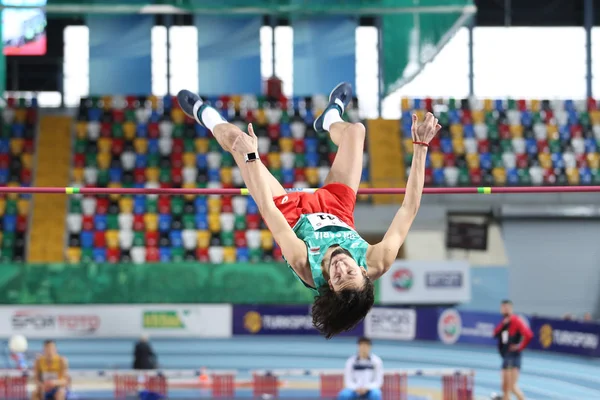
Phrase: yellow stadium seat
{"type": "Point", "coordinates": [573, 176]}
{"type": "Point", "coordinates": [107, 102]}
{"type": "Point", "coordinates": [201, 145]}
{"type": "Point", "coordinates": [112, 239]}
{"type": "Point", "coordinates": [81, 130]}
{"type": "Point", "coordinates": [473, 160]}
{"type": "Point", "coordinates": [189, 159]}
{"type": "Point", "coordinates": [153, 102]}
{"type": "Point", "coordinates": [593, 160]}
{"type": "Point", "coordinates": [2, 206]}
{"type": "Point", "coordinates": [73, 255]}
{"type": "Point", "coordinates": [405, 104]}
{"type": "Point", "coordinates": [266, 239]}
{"type": "Point", "coordinates": [437, 159]}
{"type": "Point", "coordinates": [478, 117]}
{"type": "Point", "coordinates": [229, 254]}
{"type": "Point", "coordinates": [152, 174]}
{"type": "Point", "coordinates": [27, 160]}
{"type": "Point", "coordinates": [126, 205]}
{"type": "Point", "coordinates": [214, 222]}
{"type": "Point", "coordinates": [129, 130]}
{"type": "Point", "coordinates": [20, 115]}
{"type": "Point", "coordinates": [237, 101]}
{"type": "Point", "coordinates": [16, 146]}
{"type": "Point", "coordinates": [114, 196]}
{"type": "Point", "coordinates": [103, 160]}
{"type": "Point", "coordinates": [516, 131]}
{"type": "Point", "coordinates": [214, 205]}
{"type": "Point", "coordinates": [595, 117]}
{"type": "Point", "coordinates": [151, 222]}
{"type": "Point", "coordinates": [104, 145]}
{"type": "Point", "coordinates": [499, 175]}
{"type": "Point", "coordinates": [408, 146]}
{"type": "Point", "coordinates": [534, 105]}
{"type": "Point", "coordinates": [459, 146]}
{"type": "Point", "coordinates": [552, 132]}
{"type": "Point", "coordinates": [274, 160]}
{"type": "Point", "coordinates": [456, 131]}
{"type": "Point", "coordinates": [140, 145]}
{"type": "Point", "coordinates": [488, 105]}
{"type": "Point", "coordinates": [261, 117]}
{"type": "Point", "coordinates": [312, 176]}
{"type": "Point", "coordinates": [13, 196]}
{"type": "Point", "coordinates": [23, 206]}
{"type": "Point", "coordinates": [286, 144]}
{"type": "Point", "coordinates": [203, 239]}
{"type": "Point", "coordinates": [545, 160]}
{"type": "Point", "coordinates": [189, 185]}
{"type": "Point", "coordinates": [178, 116]}
{"type": "Point", "coordinates": [226, 175]}
{"type": "Point", "coordinates": [77, 175]}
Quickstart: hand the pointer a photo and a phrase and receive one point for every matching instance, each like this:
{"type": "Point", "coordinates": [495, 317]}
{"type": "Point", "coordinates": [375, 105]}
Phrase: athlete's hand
{"type": "Point", "coordinates": [424, 132]}
{"type": "Point", "coordinates": [514, 347]}
{"type": "Point", "coordinates": [245, 144]}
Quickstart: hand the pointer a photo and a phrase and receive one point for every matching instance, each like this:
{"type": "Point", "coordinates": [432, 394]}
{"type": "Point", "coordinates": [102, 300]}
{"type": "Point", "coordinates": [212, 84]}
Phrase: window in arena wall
{"type": "Point", "coordinates": [596, 62]}
{"type": "Point", "coordinates": [367, 71]}
{"type": "Point", "coordinates": [284, 55]}
{"type": "Point", "coordinates": [159, 60]}
{"type": "Point", "coordinates": [76, 64]}
{"type": "Point", "coordinates": [184, 58]}
{"type": "Point", "coordinates": [530, 63]}
{"type": "Point", "coordinates": [447, 75]}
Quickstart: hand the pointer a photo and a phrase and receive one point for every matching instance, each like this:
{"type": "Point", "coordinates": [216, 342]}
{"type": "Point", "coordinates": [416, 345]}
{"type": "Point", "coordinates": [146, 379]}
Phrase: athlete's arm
{"type": "Point", "coordinates": [525, 332]}
{"type": "Point", "coordinates": [381, 256]}
{"type": "Point", "coordinates": [292, 248]}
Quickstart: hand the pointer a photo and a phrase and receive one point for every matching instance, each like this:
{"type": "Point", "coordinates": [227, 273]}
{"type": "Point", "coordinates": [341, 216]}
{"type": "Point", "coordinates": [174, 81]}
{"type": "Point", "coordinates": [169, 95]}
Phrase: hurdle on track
{"type": "Point", "coordinates": [454, 384]}
{"type": "Point", "coordinates": [245, 192]}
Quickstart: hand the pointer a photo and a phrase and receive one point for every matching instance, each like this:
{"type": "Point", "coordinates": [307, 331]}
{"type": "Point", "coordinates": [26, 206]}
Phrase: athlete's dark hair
{"type": "Point", "coordinates": [337, 312]}
{"type": "Point", "coordinates": [506, 301]}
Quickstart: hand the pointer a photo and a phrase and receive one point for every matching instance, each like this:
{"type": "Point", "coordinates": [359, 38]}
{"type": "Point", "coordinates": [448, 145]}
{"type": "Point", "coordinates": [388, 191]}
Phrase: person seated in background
{"type": "Point", "coordinates": [363, 376]}
{"type": "Point", "coordinates": [143, 355]}
{"type": "Point", "coordinates": [51, 374]}
{"type": "Point", "coordinates": [587, 317]}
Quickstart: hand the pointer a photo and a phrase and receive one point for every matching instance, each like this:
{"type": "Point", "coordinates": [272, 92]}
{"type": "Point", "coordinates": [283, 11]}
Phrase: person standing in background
{"type": "Point", "coordinates": [51, 374]}
{"type": "Point", "coordinates": [513, 336]}
{"type": "Point", "coordinates": [363, 376]}
{"type": "Point", "coordinates": [143, 355]}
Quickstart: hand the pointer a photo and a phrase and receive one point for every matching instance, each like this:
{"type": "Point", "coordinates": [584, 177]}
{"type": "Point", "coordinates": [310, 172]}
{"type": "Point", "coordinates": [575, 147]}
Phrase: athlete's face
{"type": "Point", "coordinates": [506, 309]}
{"type": "Point", "coordinates": [50, 349]}
{"type": "Point", "coordinates": [344, 272]}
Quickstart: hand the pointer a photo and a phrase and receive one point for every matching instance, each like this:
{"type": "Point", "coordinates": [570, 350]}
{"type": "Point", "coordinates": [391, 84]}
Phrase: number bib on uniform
{"type": "Point", "coordinates": [322, 220]}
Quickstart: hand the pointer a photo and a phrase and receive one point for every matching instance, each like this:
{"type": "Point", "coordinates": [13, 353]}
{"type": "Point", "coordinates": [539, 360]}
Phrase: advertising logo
{"type": "Point", "coordinates": [449, 326]}
{"type": "Point", "coordinates": [167, 319]}
{"type": "Point", "coordinates": [252, 322]}
{"type": "Point", "coordinates": [391, 323]}
{"type": "Point", "coordinates": [546, 336]}
{"type": "Point", "coordinates": [28, 320]}
{"type": "Point", "coordinates": [444, 279]}
{"type": "Point", "coordinates": [402, 279]}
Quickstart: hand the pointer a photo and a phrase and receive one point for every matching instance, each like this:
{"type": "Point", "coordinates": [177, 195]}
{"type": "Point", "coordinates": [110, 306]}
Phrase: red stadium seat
{"type": "Point", "coordinates": [522, 161]}
{"type": "Point", "coordinates": [139, 175]}
{"type": "Point", "coordinates": [450, 160]}
{"type": "Point", "coordinates": [504, 131]}
{"type": "Point", "coordinates": [299, 147]}
{"type": "Point", "coordinates": [152, 239]}
{"type": "Point", "coordinates": [253, 221]}
{"type": "Point", "coordinates": [87, 223]}
{"type": "Point", "coordinates": [118, 115]}
{"type": "Point", "coordinates": [177, 160]}
{"type": "Point", "coordinates": [475, 175]}
{"type": "Point", "coordinates": [102, 205]}
{"type": "Point", "coordinates": [178, 146]}
{"type": "Point", "coordinates": [106, 129]}
{"type": "Point", "coordinates": [226, 204]}
{"type": "Point", "coordinates": [153, 131]}
{"type": "Point", "coordinates": [273, 131]}
{"type": "Point", "coordinates": [138, 222]}
{"type": "Point", "coordinates": [152, 254]}
{"type": "Point", "coordinates": [29, 146]}
{"type": "Point", "coordinates": [202, 255]}
{"type": "Point", "coordinates": [240, 238]}
{"type": "Point", "coordinates": [177, 176]}
{"type": "Point", "coordinates": [99, 239]}
{"type": "Point", "coordinates": [21, 223]}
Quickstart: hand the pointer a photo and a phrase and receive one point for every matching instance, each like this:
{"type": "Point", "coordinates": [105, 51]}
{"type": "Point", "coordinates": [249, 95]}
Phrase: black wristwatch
{"type": "Point", "coordinates": [250, 157]}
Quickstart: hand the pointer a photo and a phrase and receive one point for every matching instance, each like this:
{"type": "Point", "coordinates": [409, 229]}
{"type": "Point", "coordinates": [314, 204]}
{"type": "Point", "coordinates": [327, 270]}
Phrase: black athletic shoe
{"type": "Point", "coordinates": [341, 94]}
{"type": "Point", "coordinates": [191, 104]}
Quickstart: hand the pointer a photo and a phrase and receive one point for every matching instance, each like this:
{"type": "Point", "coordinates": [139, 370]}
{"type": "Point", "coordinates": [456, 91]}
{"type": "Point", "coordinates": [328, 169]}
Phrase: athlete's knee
{"type": "Point", "coordinates": [346, 394]}
{"type": "Point", "coordinates": [374, 394]}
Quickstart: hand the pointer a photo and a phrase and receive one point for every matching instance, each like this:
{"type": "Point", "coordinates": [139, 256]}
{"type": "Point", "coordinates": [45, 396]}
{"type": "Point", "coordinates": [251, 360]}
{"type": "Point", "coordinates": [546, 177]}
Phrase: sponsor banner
{"type": "Point", "coordinates": [278, 320]}
{"type": "Point", "coordinates": [455, 326]}
{"type": "Point", "coordinates": [117, 321]}
{"type": "Point", "coordinates": [391, 323]}
{"type": "Point", "coordinates": [565, 336]}
{"type": "Point", "coordinates": [417, 282]}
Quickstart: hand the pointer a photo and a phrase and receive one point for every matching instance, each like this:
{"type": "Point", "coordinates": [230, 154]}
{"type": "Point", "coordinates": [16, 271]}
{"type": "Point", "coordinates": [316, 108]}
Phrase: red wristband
{"type": "Point", "coordinates": [422, 144]}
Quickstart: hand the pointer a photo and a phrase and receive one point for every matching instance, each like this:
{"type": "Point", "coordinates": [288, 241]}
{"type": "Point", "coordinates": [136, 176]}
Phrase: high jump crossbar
{"type": "Point", "coordinates": [245, 192]}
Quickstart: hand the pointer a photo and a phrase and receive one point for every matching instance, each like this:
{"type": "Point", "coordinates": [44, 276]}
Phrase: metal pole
{"type": "Point", "coordinates": [380, 88]}
{"type": "Point", "coordinates": [168, 25]}
{"type": "Point", "coordinates": [507, 13]}
{"type": "Point", "coordinates": [273, 23]}
{"type": "Point", "coordinates": [588, 18]}
{"type": "Point", "coordinates": [471, 60]}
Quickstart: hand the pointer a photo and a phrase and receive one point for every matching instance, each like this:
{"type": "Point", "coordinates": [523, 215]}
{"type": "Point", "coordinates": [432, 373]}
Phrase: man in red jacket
{"type": "Point", "coordinates": [513, 336]}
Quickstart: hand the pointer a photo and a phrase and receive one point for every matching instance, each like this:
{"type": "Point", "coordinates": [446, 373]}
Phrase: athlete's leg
{"type": "Point", "coordinates": [506, 383]}
{"type": "Point", "coordinates": [374, 394]}
{"type": "Point", "coordinates": [515, 387]}
{"type": "Point", "coordinates": [224, 132]}
{"type": "Point", "coordinates": [350, 138]}
{"type": "Point", "coordinates": [348, 164]}
{"type": "Point", "coordinates": [347, 394]}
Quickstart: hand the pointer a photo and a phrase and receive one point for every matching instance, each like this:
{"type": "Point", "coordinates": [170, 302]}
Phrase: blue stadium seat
{"type": "Point", "coordinates": [201, 131]}
{"type": "Point", "coordinates": [87, 239]}
{"type": "Point", "coordinates": [100, 222]}
{"type": "Point", "coordinates": [141, 161]}
{"type": "Point", "coordinates": [252, 208]}
{"type": "Point", "coordinates": [99, 255]}
{"type": "Point", "coordinates": [242, 254]}
{"type": "Point", "coordinates": [142, 130]}
{"type": "Point", "coordinates": [10, 223]}
{"type": "Point", "coordinates": [164, 254]}
{"type": "Point", "coordinates": [176, 238]}
{"type": "Point", "coordinates": [438, 176]}
{"type": "Point", "coordinates": [287, 175]}
{"type": "Point", "coordinates": [139, 204]}
{"type": "Point", "coordinates": [201, 161]}
{"type": "Point", "coordinates": [201, 221]}
{"type": "Point", "coordinates": [164, 222]}
{"type": "Point", "coordinates": [201, 205]}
